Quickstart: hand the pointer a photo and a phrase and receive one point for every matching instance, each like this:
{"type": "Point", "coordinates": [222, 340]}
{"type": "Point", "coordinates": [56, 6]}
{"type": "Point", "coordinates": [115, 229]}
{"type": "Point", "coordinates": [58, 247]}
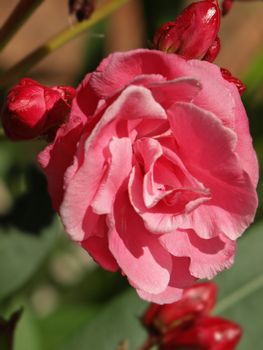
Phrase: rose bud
{"type": "Point", "coordinates": [32, 110]}
{"type": "Point", "coordinates": [193, 34]}
{"type": "Point", "coordinates": [209, 333]}
{"type": "Point", "coordinates": [196, 301]}
{"type": "Point", "coordinates": [229, 77]}
{"type": "Point", "coordinates": [82, 9]}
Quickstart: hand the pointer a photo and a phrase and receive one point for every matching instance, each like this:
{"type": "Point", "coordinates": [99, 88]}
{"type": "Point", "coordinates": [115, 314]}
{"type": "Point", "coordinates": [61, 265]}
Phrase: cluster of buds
{"type": "Point", "coordinates": [187, 324]}
{"type": "Point", "coordinates": [33, 110]}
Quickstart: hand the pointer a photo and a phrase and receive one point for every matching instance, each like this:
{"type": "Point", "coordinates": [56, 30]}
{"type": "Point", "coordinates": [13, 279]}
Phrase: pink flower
{"type": "Point", "coordinates": [193, 34]}
{"type": "Point", "coordinates": [32, 110]}
{"type": "Point", "coordinates": [154, 173]}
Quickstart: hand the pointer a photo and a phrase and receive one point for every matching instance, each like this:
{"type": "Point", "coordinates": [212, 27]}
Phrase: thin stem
{"type": "Point", "coordinates": [18, 17]}
{"type": "Point", "coordinates": [57, 41]}
{"type": "Point", "coordinates": [240, 294]}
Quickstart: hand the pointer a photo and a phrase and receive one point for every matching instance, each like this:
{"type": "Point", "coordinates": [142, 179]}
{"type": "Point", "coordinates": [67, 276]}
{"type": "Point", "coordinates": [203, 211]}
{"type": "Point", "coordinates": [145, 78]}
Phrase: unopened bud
{"type": "Point", "coordinates": [193, 34]}
{"type": "Point", "coordinates": [226, 6]}
{"type": "Point", "coordinates": [208, 333]}
{"type": "Point", "coordinates": [196, 301]}
{"type": "Point", "coordinates": [82, 9]}
{"type": "Point", "coordinates": [32, 110]}
{"type": "Point", "coordinates": [213, 51]}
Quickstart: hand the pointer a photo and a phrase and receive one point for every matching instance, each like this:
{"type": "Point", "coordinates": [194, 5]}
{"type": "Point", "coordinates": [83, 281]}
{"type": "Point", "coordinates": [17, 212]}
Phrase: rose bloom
{"type": "Point", "coordinates": [154, 173]}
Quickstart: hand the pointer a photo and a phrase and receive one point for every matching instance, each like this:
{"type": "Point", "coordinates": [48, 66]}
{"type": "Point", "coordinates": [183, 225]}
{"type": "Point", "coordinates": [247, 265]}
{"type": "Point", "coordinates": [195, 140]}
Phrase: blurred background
{"type": "Point", "coordinates": [67, 302]}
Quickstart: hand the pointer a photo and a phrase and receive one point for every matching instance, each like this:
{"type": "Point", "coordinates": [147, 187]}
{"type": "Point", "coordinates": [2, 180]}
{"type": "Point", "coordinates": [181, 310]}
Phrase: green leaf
{"type": "Point", "coordinates": [21, 255]}
{"type": "Point", "coordinates": [27, 334]}
{"type": "Point", "coordinates": [59, 327]}
{"type": "Point", "coordinates": [117, 322]}
{"type": "Point", "coordinates": [254, 76]}
{"type": "Point", "coordinates": [241, 288]}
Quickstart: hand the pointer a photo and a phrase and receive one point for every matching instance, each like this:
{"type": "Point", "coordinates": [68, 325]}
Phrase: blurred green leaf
{"type": "Point", "coordinates": [118, 321]}
{"type": "Point", "coordinates": [21, 255]}
{"type": "Point", "coordinates": [98, 286]}
{"type": "Point", "coordinates": [27, 334]}
{"type": "Point", "coordinates": [241, 289]}
{"type": "Point", "coordinates": [59, 327]}
{"type": "Point", "coordinates": [253, 78]}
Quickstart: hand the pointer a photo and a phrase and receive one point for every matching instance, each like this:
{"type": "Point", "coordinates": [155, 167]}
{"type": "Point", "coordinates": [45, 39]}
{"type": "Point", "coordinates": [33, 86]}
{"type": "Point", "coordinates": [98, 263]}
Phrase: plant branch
{"type": "Point", "coordinates": [18, 70]}
{"type": "Point", "coordinates": [18, 17]}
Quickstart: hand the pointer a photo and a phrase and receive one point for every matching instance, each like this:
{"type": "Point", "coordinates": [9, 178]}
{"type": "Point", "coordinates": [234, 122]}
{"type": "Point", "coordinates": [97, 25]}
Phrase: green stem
{"type": "Point", "coordinates": [239, 295]}
{"type": "Point", "coordinates": [18, 17]}
{"type": "Point", "coordinates": [57, 41]}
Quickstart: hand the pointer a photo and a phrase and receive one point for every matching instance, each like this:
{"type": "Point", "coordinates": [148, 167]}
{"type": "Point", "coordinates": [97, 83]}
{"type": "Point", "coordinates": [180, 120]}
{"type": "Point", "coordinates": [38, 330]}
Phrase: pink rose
{"type": "Point", "coordinates": [154, 173]}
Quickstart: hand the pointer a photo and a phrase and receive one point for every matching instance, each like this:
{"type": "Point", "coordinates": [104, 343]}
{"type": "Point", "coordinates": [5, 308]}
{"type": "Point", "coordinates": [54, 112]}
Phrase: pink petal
{"type": "Point", "coordinates": [119, 168]}
{"type": "Point", "coordinates": [180, 279]}
{"type": "Point", "coordinates": [98, 248]}
{"type": "Point", "coordinates": [134, 104]}
{"type": "Point", "coordinates": [213, 89]}
{"type": "Point", "coordinates": [118, 70]}
{"type": "Point", "coordinates": [54, 165]}
{"type": "Point", "coordinates": [207, 149]}
{"type": "Point", "coordinates": [208, 256]}
{"type": "Point", "coordinates": [138, 253]}
{"type": "Point", "coordinates": [149, 150]}
{"type": "Point", "coordinates": [86, 100]}
{"type": "Point", "coordinates": [244, 147]}
{"type": "Point", "coordinates": [146, 193]}
{"type": "Point", "coordinates": [172, 91]}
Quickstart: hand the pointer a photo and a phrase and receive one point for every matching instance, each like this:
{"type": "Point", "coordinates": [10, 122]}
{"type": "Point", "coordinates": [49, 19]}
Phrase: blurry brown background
{"type": "Point", "coordinates": [241, 36]}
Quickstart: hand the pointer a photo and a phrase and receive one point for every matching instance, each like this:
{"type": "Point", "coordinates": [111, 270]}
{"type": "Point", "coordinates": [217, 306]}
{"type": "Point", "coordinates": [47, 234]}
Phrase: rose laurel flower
{"type": "Point", "coordinates": [154, 173]}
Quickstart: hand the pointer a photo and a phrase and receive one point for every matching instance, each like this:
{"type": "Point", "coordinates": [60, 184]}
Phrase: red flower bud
{"type": "Point", "coordinates": [209, 333]}
{"type": "Point", "coordinates": [193, 34]}
{"type": "Point", "coordinates": [81, 8]}
{"type": "Point", "coordinates": [226, 6]}
{"type": "Point", "coordinates": [213, 51]}
{"type": "Point", "coordinates": [186, 324]}
{"type": "Point", "coordinates": [229, 77]}
{"type": "Point", "coordinates": [196, 301]}
{"type": "Point", "coordinates": [32, 110]}
{"type": "Point", "coordinates": [150, 315]}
